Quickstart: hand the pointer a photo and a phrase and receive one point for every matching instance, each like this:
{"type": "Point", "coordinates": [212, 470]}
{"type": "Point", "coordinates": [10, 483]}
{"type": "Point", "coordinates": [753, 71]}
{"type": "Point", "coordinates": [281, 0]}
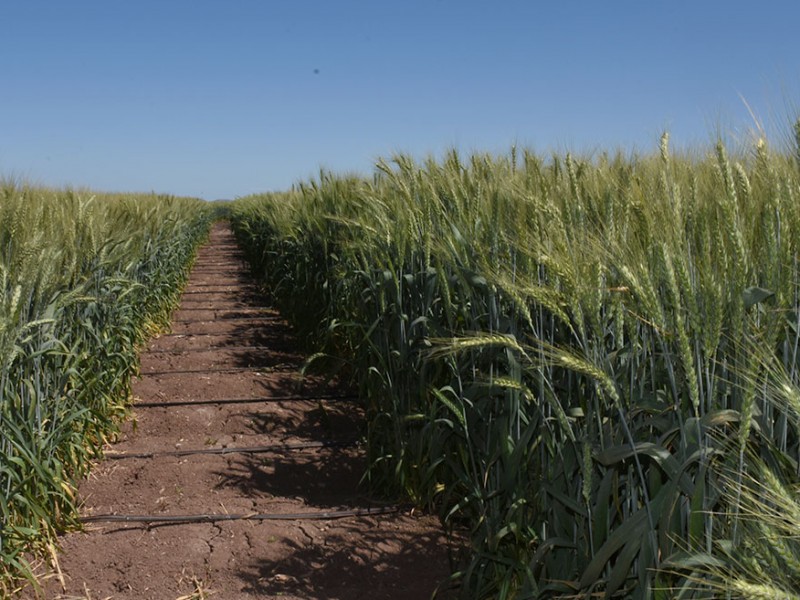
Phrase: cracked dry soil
{"type": "Point", "coordinates": [226, 345]}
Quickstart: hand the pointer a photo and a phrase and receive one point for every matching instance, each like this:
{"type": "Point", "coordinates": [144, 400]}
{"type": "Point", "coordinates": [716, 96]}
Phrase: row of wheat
{"type": "Point", "coordinates": [588, 364]}
{"type": "Point", "coordinates": [83, 280]}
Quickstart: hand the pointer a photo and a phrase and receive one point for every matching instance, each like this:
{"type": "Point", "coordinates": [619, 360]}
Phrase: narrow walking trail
{"type": "Point", "coordinates": [237, 478]}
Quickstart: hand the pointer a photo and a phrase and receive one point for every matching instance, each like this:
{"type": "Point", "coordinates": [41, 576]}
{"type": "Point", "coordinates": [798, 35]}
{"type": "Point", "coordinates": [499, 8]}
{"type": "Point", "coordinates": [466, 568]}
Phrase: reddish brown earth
{"type": "Point", "coordinates": [226, 345]}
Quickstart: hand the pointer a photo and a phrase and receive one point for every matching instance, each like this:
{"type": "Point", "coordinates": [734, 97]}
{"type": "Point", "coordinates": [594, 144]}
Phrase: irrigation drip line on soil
{"type": "Point", "coordinates": [240, 309]}
{"type": "Point", "coordinates": [214, 348]}
{"type": "Point", "coordinates": [220, 283]}
{"type": "Point", "coordinates": [211, 349]}
{"type": "Point", "coordinates": [218, 292]}
{"type": "Point", "coordinates": [236, 261]}
{"type": "Point", "coordinates": [212, 518]}
{"type": "Point", "coordinates": [227, 253]}
{"type": "Point", "coordinates": [278, 368]}
{"type": "Point", "coordinates": [250, 294]}
{"type": "Point", "coordinates": [224, 279]}
{"type": "Point", "coordinates": [243, 450]}
{"type": "Point", "coordinates": [237, 255]}
{"type": "Point", "coordinates": [195, 402]}
{"type": "Point", "coordinates": [191, 335]}
{"type": "Point", "coordinates": [206, 305]}
{"type": "Point", "coordinates": [243, 308]}
{"type": "Point", "coordinates": [226, 319]}
{"type": "Point", "coordinates": [217, 272]}
{"type": "Point", "coordinates": [211, 288]}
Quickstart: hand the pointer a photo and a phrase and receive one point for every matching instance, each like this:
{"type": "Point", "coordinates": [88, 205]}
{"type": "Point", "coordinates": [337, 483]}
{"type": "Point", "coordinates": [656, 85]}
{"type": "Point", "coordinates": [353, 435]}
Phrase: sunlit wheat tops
{"type": "Point", "coordinates": [566, 357]}
{"type": "Point", "coordinates": [83, 279]}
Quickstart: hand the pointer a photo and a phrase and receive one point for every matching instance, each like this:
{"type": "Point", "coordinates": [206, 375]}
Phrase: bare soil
{"type": "Point", "coordinates": [226, 345]}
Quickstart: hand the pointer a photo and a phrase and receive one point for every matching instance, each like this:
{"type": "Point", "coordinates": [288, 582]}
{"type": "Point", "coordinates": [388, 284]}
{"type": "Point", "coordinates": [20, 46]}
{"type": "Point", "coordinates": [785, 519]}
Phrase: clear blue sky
{"type": "Point", "coordinates": [223, 98]}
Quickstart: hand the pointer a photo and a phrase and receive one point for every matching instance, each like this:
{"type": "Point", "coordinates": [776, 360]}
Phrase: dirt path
{"type": "Point", "coordinates": [225, 383]}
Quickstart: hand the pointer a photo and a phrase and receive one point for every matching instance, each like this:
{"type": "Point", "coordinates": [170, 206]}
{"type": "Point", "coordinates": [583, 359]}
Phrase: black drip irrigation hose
{"type": "Point", "coordinates": [191, 335]}
{"type": "Point", "coordinates": [220, 258]}
{"type": "Point", "coordinates": [316, 398]}
{"type": "Point", "coordinates": [197, 335]}
{"type": "Point", "coordinates": [217, 288]}
{"type": "Point", "coordinates": [220, 263]}
{"type": "Point", "coordinates": [278, 368]}
{"type": "Point", "coordinates": [251, 308]}
{"type": "Point", "coordinates": [244, 450]}
{"type": "Point", "coordinates": [247, 308]}
{"type": "Point", "coordinates": [219, 291]}
{"type": "Point", "coordinates": [178, 352]}
{"type": "Point", "coordinates": [212, 518]}
{"type": "Point", "coordinates": [223, 281]}
{"type": "Point", "coordinates": [267, 318]}
{"type": "Point", "coordinates": [207, 306]}
{"type": "Point", "coordinates": [249, 292]}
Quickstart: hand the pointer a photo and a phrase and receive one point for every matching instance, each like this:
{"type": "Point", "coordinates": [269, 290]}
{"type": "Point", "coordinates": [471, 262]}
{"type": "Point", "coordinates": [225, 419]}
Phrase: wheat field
{"type": "Point", "coordinates": [84, 279]}
{"type": "Point", "coordinates": [587, 365]}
